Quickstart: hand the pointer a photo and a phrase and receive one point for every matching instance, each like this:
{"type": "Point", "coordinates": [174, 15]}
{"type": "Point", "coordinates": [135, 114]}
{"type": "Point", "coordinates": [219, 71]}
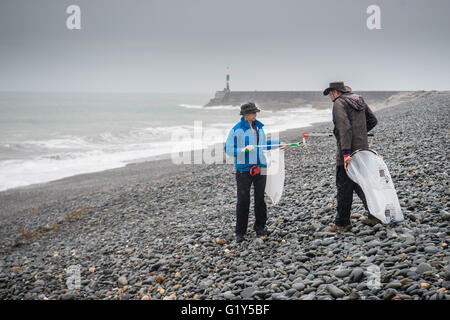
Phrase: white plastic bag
{"type": "Point", "coordinates": [275, 174]}
{"type": "Point", "coordinates": [370, 172]}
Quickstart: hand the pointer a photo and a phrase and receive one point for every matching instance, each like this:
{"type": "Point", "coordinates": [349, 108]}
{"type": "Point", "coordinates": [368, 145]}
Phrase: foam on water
{"type": "Point", "coordinates": [27, 158]}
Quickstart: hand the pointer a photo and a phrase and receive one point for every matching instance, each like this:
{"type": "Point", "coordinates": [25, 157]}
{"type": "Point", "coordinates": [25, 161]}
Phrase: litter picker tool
{"type": "Point", "coordinates": [320, 134]}
{"type": "Point", "coordinates": [293, 144]}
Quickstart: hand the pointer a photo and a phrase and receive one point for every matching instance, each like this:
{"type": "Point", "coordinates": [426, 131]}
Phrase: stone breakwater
{"type": "Point", "coordinates": [174, 238]}
{"type": "Point", "coordinates": [274, 100]}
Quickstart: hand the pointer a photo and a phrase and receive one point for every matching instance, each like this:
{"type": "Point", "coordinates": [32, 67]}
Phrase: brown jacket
{"type": "Point", "coordinates": [352, 120]}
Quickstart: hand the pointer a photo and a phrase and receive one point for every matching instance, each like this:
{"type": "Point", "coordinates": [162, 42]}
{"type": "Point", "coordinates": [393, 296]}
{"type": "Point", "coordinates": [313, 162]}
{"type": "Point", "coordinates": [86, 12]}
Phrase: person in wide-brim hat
{"type": "Point", "coordinates": [339, 86]}
{"type": "Point", "coordinates": [352, 119]}
{"type": "Point", "coordinates": [249, 107]}
{"type": "Point", "coordinates": [246, 143]}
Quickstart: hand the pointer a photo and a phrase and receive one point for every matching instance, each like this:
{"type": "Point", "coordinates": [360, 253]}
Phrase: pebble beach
{"type": "Point", "coordinates": [154, 230]}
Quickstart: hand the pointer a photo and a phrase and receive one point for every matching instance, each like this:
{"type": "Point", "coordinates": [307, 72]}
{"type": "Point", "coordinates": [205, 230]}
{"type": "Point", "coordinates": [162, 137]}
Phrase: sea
{"type": "Point", "coordinates": [49, 136]}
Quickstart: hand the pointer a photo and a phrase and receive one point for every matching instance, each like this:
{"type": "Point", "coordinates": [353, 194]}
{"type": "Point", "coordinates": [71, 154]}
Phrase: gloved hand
{"type": "Point", "coordinates": [248, 148]}
{"type": "Point", "coordinates": [347, 160]}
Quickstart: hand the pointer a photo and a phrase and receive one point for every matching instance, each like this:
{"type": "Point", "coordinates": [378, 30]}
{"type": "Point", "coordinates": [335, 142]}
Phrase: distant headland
{"type": "Point", "coordinates": [274, 100]}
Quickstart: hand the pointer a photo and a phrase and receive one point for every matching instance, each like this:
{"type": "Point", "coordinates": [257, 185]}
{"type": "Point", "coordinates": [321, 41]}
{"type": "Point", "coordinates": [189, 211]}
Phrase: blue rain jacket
{"type": "Point", "coordinates": [240, 136]}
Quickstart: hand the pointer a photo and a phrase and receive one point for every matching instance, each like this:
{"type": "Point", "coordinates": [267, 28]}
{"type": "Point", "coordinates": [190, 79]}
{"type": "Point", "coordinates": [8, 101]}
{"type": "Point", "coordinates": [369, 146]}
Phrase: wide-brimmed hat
{"type": "Point", "coordinates": [249, 107]}
{"type": "Point", "coordinates": [339, 86]}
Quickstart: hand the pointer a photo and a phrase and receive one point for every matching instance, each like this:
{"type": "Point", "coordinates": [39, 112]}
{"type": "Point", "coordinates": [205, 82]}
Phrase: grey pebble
{"type": "Point", "coordinates": [423, 267]}
{"type": "Point", "coordinates": [299, 286]}
{"type": "Point", "coordinates": [389, 294]}
{"type": "Point", "coordinates": [342, 273]}
{"type": "Point", "coordinates": [335, 291]}
{"type": "Point", "coordinates": [356, 275]}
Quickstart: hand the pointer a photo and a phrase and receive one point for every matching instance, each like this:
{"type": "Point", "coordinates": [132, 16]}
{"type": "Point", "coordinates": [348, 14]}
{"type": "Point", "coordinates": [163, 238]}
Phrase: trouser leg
{"type": "Point", "coordinates": [259, 184]}
{"type": "Point", "coordinates": [243, 182]}
{"type": "Point", "coordinates": [361, 195]}
{"type": "Point", "coordinates": [344, 196]}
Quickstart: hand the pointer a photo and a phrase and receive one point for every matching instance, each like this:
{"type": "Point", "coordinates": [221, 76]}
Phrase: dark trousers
{"type": "Point", "coordinates": [345, 187]}
{"type": "Point", "coordinates": [244, 182]}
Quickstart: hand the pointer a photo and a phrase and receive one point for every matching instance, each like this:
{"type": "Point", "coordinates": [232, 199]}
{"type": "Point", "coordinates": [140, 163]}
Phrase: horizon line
{"type": "Point", "coordinates": [197, 92]}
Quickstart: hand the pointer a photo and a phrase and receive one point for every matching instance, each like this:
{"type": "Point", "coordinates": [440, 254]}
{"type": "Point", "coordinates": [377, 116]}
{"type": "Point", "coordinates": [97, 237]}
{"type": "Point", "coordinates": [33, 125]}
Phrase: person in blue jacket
{"type": "Point", "coordinates": [248, 163]}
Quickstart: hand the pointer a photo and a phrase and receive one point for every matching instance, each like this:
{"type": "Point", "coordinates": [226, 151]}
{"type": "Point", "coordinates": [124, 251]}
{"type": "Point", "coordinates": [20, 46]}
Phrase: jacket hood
{"type": "Point", "coordinates": [356, 101]}
{"type": "Point", "coordinates": [246, 125]}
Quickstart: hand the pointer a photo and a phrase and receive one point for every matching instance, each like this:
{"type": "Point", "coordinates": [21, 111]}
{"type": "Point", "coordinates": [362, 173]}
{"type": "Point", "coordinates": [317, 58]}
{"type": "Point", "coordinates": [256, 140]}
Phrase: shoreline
{"type": "Point", "coordinates": [29, 197]}
{"type": "Point", "coordinates": [405, 96]}
{"type": "Point", "coordinates": [143, 234]}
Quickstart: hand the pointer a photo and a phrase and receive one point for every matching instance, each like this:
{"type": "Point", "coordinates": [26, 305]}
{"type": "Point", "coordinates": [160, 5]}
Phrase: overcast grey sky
{"type": "Point", "coordinates": [185, 46]}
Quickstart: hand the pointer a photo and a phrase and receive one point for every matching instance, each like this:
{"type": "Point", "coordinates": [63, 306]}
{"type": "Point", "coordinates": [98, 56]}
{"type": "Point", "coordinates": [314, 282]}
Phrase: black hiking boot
{"type": "Point", "coordinates": [370, 222]}
{"type": "Point", "coordinates": [262, 233]}
{"type": "Point", "coordinates": [337, 228]}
